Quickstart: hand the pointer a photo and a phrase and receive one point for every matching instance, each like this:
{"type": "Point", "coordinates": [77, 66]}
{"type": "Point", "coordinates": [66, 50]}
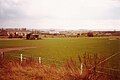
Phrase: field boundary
{"type": "Point", "coordinates": [14, 49]}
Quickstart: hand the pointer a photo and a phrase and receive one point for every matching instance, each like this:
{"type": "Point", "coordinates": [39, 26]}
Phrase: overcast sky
{"type": "Point", "coordinates": [61, 14]}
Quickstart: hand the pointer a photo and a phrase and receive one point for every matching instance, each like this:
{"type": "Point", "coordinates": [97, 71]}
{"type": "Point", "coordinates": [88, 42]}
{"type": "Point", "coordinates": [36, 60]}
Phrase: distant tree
{"type": "Point", "coordinates": [78, 35]}
{"type": "Point", "coordinates": [11, 36]}
{"type": "Point", "coordinates": [28, 36]}
{"type": "Point", "coordinates": [20, 36]}
{"type": "Point", "coordinates": [90, 34]}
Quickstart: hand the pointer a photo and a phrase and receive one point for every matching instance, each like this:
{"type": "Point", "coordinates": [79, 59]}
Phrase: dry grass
{"type": "Point", "coordinates": [31, 70]}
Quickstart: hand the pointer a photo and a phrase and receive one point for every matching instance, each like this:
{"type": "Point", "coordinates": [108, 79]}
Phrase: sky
{"type": "Point", "coordinates": [60, 14]}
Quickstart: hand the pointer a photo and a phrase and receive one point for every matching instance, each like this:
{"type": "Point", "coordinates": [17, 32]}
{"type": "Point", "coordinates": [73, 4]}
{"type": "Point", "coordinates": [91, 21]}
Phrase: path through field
{"type": "Point", "coordinates": [14, 49]}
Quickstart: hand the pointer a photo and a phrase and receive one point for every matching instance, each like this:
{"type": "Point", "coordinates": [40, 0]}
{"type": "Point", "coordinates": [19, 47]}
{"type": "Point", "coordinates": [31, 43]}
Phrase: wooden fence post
{"type": "Point", "coordinates": [2, 55]}
{"type": "Point", "coordinates": [39, 60]}
{"type": "Point", "coordinates": [21, 57]}
{"type": "Point", "coordinates": [81, 69]}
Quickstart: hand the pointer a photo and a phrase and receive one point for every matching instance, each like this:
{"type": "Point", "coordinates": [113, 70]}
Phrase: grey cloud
{"type": "Point", "coordinates": [115, 13]}
{"type": "Point", "coordinates": [10, 9]}
{"type": "Point", "coordinates": [112, 13]}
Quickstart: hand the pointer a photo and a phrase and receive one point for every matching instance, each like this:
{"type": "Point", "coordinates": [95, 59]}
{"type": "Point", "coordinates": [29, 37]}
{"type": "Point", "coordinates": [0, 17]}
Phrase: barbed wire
{"type": "Point", "coordinates": [105, 60]}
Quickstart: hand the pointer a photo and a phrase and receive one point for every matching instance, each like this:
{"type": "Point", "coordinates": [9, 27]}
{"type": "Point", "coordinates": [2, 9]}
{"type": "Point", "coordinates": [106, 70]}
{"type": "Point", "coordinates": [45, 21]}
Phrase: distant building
{"type": "Point", "coordinates": [17, 32]}
{"type": "Point", "coordinates": [3, 32]}
{"type": "Point", "coordinates": [32, 36]}
{"type": "Point", "coordinates": [90, 34]}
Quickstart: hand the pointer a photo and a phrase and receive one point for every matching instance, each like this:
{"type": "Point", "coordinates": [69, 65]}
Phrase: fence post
{"type": "Point", "coordinates": [39, 60]}
{"type": "Point", "coordinates": [2, 55]}
{"type": "Point", "coordinates": [21, 58]}
{"type": "Point", "coordinates": [81, 68]}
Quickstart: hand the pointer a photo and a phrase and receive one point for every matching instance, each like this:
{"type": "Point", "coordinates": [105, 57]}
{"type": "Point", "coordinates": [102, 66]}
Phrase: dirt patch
{"type": "Point", "coordinates": [15, 49]}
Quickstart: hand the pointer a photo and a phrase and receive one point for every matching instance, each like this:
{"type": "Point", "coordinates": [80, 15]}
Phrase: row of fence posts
{"type": "Point", "coordinates": [39, 59]}
{"type": "Point", "coordinates": [2, 55]}
{"type": "Point", "coordinates": [21, 57]}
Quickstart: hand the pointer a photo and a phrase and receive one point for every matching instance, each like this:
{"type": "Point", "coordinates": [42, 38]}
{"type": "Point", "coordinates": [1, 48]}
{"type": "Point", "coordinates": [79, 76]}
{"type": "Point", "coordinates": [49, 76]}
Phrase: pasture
{"type": "Point", "coordinates": [57, 50]}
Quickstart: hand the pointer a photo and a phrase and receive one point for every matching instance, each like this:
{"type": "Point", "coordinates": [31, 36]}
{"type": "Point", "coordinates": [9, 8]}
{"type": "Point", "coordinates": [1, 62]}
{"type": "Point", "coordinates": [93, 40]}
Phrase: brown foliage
{"type": "Point", "coordinates": [30, 69]}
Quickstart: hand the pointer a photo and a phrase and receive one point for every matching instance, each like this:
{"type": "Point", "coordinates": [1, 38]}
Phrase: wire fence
{"type": "Point", "coordinates": [39, 59]}
{"type": "Point", "coordinates": [96, 68]}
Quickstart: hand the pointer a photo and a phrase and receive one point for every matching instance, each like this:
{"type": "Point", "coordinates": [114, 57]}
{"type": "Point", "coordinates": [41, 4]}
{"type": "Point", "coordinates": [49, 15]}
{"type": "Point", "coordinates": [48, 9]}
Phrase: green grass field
{"type": "Point", "coordinates": [56, 50]}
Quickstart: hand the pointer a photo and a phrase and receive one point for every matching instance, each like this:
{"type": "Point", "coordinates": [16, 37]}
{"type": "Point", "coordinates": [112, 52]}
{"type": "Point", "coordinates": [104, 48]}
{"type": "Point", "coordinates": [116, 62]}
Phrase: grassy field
{"type": "Point", "coordinates": [57, 50]}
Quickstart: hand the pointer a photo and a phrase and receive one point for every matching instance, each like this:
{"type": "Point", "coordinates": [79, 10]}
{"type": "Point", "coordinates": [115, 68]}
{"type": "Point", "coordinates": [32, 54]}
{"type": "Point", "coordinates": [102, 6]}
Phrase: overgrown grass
{"type": "Point", "coordinates": [30, 69]}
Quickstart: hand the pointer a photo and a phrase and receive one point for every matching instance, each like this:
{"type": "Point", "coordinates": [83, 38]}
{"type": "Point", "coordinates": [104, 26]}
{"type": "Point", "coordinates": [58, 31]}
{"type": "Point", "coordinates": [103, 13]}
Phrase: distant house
{"type": "Point", "coordinates": [32, 36]}
{"type": "Point", "coordinates": [15, 35]}
{"type": "Point", "coordinates": [111, 33]}
{"type": "Point", "coordinates": [3, 32]}
{"type": "Point", "coordinates": [17, 32]}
